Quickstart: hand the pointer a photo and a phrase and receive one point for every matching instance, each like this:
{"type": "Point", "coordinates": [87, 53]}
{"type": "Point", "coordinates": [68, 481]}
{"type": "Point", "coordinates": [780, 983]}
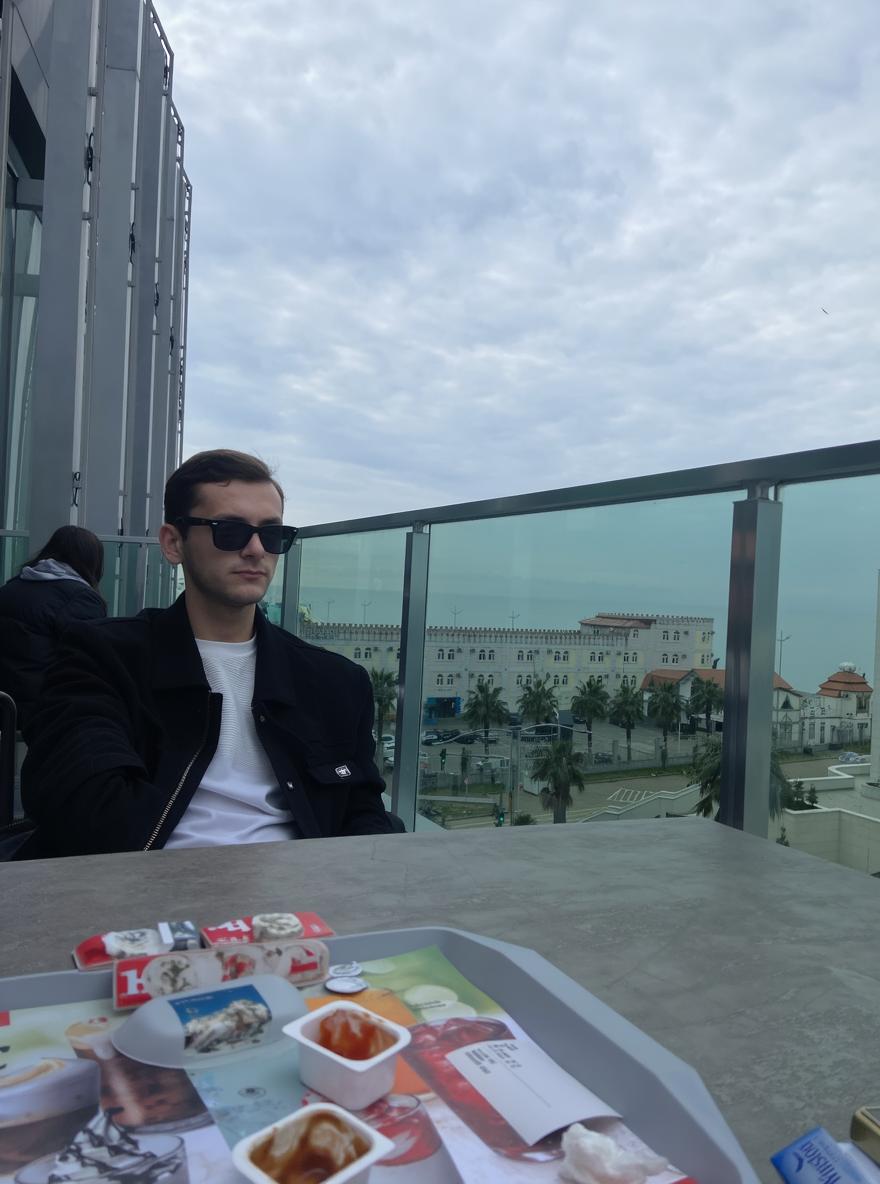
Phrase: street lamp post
{"type": "Point", "coordinates": [782, 638]}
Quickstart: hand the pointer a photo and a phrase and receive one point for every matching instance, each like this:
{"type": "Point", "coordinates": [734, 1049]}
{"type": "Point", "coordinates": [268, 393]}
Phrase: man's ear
{"type": "Point", "coordinates": [171, 542]}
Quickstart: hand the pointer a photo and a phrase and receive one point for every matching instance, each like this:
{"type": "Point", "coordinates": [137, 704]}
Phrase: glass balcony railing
{"type": "Point", "coordinates": [673, 632]}
{"type": "Point", "coordinates": [135, 576]}
{"type": "Point", "coordinates": [13, 552]}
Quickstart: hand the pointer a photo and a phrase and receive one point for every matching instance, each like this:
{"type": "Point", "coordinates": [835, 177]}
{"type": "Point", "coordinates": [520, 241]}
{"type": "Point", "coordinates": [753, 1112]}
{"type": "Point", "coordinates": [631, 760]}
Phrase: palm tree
{"type": "Point", "coordinates": [538, 701]}
{"type": "Point", "coordinates": [626, 709]}
{"type": "Point", "coordinates": [484, 708]}
{"type": "Point", "coordinates": [706, 697]}
{"type": "Point", "coordinates": [384, 695]}
{"type": "Point", "coordinates": [706, 771]}
{"type": "Point", "coordinates": [590, 702]}
{"type": "Point", "coordinates": [664, 706]}
{"type": "Point", "coordinates": [560, 767]}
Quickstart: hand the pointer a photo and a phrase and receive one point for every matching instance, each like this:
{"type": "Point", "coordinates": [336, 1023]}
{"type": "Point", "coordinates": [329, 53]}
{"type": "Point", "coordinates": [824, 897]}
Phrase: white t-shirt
{"type": "Point", "coordinates": [239, 799]}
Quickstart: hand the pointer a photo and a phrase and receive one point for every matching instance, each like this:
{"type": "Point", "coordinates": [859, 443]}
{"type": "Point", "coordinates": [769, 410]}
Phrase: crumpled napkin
{"type": "Point", "coordinates": [592, 1158]}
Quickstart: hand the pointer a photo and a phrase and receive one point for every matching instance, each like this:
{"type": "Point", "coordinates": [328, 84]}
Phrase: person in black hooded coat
{"type": "Point", "coordinates": [56, 588]}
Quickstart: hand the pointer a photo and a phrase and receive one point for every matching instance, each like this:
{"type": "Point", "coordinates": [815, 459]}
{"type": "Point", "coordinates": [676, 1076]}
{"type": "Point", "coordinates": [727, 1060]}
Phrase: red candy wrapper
{"type": "Point", "coordinates": [103, 949]}
{"type": "Point", "coordinates": [266, 927]}
{"type": "Point", "coordinates": [138, 980]}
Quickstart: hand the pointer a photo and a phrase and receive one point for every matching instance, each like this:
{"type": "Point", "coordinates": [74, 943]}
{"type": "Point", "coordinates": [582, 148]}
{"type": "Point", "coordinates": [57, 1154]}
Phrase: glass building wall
{"type": "Point", "coordinates": [92, 297]}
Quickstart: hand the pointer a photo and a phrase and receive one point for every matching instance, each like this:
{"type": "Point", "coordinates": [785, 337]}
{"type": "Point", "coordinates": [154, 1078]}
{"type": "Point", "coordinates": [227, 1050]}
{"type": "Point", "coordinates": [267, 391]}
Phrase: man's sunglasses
{"type": "Point", "coordinates": [231, 535]}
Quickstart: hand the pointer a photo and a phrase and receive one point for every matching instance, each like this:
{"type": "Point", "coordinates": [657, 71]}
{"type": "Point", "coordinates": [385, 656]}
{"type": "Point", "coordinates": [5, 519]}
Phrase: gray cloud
{"type": "Point", "coordinates": [445, 252]}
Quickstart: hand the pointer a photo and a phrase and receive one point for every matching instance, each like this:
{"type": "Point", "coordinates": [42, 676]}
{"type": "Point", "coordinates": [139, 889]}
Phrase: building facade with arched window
{"type": "Point", "coordinates": [460, 657]}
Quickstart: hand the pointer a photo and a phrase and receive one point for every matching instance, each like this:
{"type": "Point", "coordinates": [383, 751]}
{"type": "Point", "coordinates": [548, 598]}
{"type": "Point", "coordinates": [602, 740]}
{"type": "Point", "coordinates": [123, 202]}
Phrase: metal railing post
{"type": "Point", "coordinates": [748, 684]}
{"type": "Point", "coordinates": [404, 791]}
{"type": "Point", "coordinates": [290, 589]}
{"type": "Point", "coordinates": [5, 81]}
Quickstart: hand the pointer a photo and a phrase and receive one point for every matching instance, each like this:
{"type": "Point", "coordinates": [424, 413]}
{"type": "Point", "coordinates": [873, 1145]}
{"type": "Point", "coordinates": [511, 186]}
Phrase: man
{"type": "Point", "coordinates": [203, 724]}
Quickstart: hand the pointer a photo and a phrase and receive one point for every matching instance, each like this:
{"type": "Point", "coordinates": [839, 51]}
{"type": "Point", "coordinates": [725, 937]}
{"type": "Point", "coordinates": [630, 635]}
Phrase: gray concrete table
{"type": "Point", "coordinates": [753, 962]}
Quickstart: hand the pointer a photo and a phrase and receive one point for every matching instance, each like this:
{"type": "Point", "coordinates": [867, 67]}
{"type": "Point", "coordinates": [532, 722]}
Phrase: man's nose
{"type": "Point", "coordinates": [254, 548]}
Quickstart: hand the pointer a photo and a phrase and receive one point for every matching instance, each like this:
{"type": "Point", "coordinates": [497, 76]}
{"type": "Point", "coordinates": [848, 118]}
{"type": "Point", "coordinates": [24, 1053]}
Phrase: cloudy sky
{"type": "Point", "coordinates": [448, 251]}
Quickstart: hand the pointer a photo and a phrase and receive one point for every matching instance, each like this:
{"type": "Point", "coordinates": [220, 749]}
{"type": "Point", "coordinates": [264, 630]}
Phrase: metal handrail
{"type": "Point", "coordinates": [819, 464]}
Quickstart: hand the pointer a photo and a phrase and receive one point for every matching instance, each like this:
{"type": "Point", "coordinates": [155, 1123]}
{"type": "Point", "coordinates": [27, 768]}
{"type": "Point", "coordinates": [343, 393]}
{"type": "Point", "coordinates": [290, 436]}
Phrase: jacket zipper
{"type": "Point", "coordinates": [151, 840]}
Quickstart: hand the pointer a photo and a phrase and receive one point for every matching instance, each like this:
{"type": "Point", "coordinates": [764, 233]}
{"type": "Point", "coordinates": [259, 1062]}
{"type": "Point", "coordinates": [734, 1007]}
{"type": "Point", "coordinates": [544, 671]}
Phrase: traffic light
{"type": "Point", "coordinates": [442, 758]}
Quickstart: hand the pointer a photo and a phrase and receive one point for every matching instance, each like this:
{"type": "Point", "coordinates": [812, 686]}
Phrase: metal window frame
{"type": "Point", "coordinates": [751, 646]}
{"type": "Point", "coordinates": [65, 313]}
{"type": "Point", "coordinates": [408, 721]}
{"type": "Point", "coordinates": [5, 84]}
{"type": "Point", "coordinates": [147, 205]}
{"type": "Point", "coordinates": [104, 430]}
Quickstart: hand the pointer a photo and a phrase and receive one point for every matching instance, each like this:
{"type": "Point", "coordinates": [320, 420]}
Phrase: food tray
{"type": "Point", "coordinates": [660, 1096]}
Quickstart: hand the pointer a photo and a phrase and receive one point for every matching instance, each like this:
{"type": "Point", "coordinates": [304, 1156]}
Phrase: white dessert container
{"type": "Point", "coordinates": [352, 1084]}
{"type": "Point", "coordinates": [357, 1172]}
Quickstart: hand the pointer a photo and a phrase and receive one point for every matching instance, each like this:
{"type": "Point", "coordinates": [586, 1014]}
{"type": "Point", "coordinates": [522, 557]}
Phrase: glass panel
{"type": "Point", "coordinates": [13, 553]}
{"type": "Point", "coordinates": [623, 596]}
{"type": "Point", "coordinates": [825, 655]}
{"type": "Point", "coordinates": [160, 579]}
{"type": "Point", "coordinates": [351, 601]}
{"type": "Point", "coordinates": [136, 576]}
{"type": "Point", "coordinates": [111, 581]}
{"type": "Point", "coordinates": [272, 601]}
{"type": "Point", "coordinates": [23, 239]}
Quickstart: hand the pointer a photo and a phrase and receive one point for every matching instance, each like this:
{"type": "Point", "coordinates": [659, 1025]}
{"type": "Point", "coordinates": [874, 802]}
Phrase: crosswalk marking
{"type": "Point", "coordinates": [624, 794]}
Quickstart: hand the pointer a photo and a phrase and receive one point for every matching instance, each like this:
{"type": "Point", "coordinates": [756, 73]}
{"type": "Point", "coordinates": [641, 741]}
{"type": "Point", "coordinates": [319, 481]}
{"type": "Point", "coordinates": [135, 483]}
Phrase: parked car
{"type": "Point", "coordinates": [464, 737]}
{"type": "Point", "coordinates": [603, 758]}
{"type": "Point", "coordinates": [388, 743]}
{"type": "Point", "coordinates": [431, 737]}
{"type": "Point", "coordinates": [852, 758]}
{"type": "Point", "coordinates": [450, 734]}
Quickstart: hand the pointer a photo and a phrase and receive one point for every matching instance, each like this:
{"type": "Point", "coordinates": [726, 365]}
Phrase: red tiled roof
{"type": "Point", "coordinates": [707, 674]}
{"type": "Point", "coordinates": [844, 682]}
{"type": "Point", "coordinates": [665, 674]}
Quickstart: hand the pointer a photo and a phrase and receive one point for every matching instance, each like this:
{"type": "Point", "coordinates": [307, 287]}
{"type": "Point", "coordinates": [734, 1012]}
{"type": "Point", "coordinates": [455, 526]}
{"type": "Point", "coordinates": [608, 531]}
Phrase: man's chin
{"type": "Point", "coordinates": [243, 597]}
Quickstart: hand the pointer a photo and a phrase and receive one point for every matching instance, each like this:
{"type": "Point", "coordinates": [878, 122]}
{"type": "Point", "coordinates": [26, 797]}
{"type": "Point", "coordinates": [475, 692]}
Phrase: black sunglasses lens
{"type": "Point", "coordinates": [232, 536]}
{"type": "Point", "coordinates": [235, 536]}
{"type": "Point", "coordinates": [272, 538]}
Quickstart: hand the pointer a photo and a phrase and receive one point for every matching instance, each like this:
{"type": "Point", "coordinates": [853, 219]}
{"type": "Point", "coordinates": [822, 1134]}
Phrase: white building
{"type": "Point", "coordinates": [840, 712]}
{"type": "Point", "coordinates": [617, 647]}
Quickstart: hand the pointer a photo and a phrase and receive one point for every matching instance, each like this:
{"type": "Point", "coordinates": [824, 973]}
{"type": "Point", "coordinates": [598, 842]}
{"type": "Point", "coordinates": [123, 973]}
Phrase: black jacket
{"type": "Point", "coordinates": [127, 726]}
{"type": "Point", "coordinates": [33, 616]}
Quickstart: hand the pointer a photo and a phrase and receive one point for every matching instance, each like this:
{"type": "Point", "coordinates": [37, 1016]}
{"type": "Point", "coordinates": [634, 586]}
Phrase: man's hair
{"type": "Point", "coordinates": [79, 549]}
{"type": "Point", "coordinates": [217, 467]}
